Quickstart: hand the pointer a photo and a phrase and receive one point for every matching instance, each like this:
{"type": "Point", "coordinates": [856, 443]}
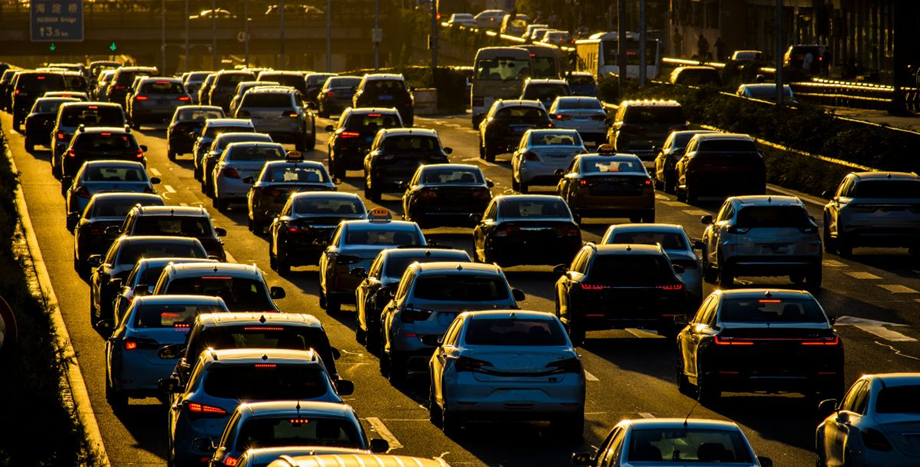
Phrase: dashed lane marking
{"type": "Point", "coordinates": [169, 188]}
{"type": "Point", "coordinates": [155, 172]}
{"type": "Point", "coordinates": [673, 204]}
{"type": "Point", "coordinates": [230, 258]}
{"type": "Point", "coordinates": [660, 196]}
{"type": "Point", "coordinates": [481, 161]}
{"type": "Point", "coordinates": [590, 377]}
{"type": "Point", "coordinates": [833, 263]}
{"type": "Point", "coordinates": [183, 204]}
{"type": "Point", "coordinates": [696, 212]}
{"type": "Point", "coordinates": [642, 333]}
{"type": "Point", "coordinates": [862, 275]}
{"type": "Point", "coordinates": [646, 415]}
{"type": "Point", "coordinates": [384, 432]}
{"type": "Point", "coordinates": [885, 333]}
{"type": "Point", "coordinates": [896, 288]}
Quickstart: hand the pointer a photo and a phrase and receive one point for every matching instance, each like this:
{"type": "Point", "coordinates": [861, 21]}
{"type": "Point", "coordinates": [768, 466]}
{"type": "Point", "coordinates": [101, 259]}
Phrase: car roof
{"type": "Point", "coordinates": [174, 299]}
{"type": "Point", "coordinates": [551, 130]}
{"type": "Point", "coordinates": [693, 132]}
{"type": "Point", "coordinates": [768, 200]}
{"type": "Point", "coordinates": [391, 224]}
{"type": "Point", "coordinates": [258, 319]}
{"type": "Point", "coordinates": [154, 262]}
{"type": "Point", "coordinates": [609, 157]}
{"type": "Point", "coordinates": [253, 144]}
{"type": "Point", "coordinates": [408, 131]}
{"type": "Point", "coordinates": [370, 110]}
{"type": "Point", "coordinates": [127, 194]}
{"type": "Point", "coordinates": [450, 166]}
{"type": "Point", "coordinates": [650, 103]}
{"type": "Point", "coordinates": [384, 76]}
{"type": "Point", "coordinates": [628, 249]}
{"type": "Point", "coordinates": [886, 176]}
{"type": "Point", "coordinates": [71, 105]}
{"type": "Point", "coordinates": [694, 68]}
{"type": "Point", "coordinates": [160, 78]}
{"type": "Point", "coordinates": [272, 89]}
{"type": "Point", "coordinates": [156, 239]}
{"type": "Point", "coordinates": [267, 356]}
{"type": "Point", "coordinates": [502, 198]}
{"type": "Point", "coordinates": [362, 460]}
{"type": "Point", "coordinates": [546, 81]}
{"type": "Point", "coordinates": [241, 122]}
{"type": "Point", "coordinates": [456, 267]}
{"type": "Point", "coordinates": [896, 379]}
{"type": "Point", "coordinates": [762, 292]}
{"type": "Point", "coordinates": [114, 163]}
{"type": "Point", "coordinates": [104, 129]}
{"type": "Point", "coordinates": [265, 137]}
{"type": "Point", "coordinates": [512, 314]}
{"type": "Point", "coordinates": [213, 269]}
{"type": "Point", "coordinates": [676, 228]}
{"type": "Point", "coordinates": [267, 454]}
{"type": "Point", "coordinates": [196, 211]}
{"type": "Point", "coordinates": [422, 251]}
{"type": "Point", "coordinates": [294, 406]}
{"type": "Point", "coordinates": [519, 103]}
{"type": "Point", "coordinates": [199, 107]}
{"type": "Point", "coordinates": [690, 423]}
{"type": "Point", "coordinates": [324, 194]}
{"type": "Point", "coordinates": [724, 136]}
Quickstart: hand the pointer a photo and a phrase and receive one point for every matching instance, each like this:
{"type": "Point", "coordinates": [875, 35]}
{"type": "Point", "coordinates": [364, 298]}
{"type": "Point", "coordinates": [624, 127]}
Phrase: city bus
{"type": "Point", "coordinates": [498, 73]}
{"type": "Point", "coordinates": [598, 55]}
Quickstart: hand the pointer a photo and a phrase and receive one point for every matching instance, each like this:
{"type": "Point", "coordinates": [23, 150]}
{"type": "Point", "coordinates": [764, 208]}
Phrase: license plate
{"type": "Point", "coordinates": [386, 97]}
{"type": "Point", "coordinates": [776, 249]}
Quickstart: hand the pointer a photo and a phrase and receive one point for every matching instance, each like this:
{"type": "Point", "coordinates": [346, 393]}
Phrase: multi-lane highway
{"type": "Point", "coordinates": [630, 373]}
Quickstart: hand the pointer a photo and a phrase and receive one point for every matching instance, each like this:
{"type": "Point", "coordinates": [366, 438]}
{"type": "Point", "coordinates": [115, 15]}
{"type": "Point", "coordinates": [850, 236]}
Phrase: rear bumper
{"type": "Point", "coordinates": [513, 252]}
{"type": "Point", "coordinates": [745, 377]}
{"type": "Point", "coordinates": [772, 265]}
{"type": "Point", "coordinates": [882, 236]}
{"type": "Point", "coordinates": [727, 183]}
{"type": "Point", "coordinates": [511, 400]}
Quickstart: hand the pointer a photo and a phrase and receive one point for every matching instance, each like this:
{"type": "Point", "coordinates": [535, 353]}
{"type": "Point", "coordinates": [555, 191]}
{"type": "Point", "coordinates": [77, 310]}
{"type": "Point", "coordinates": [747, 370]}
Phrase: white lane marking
{"type": "Point", "coordinates": [886, 333]}
{"type": "Point", "coordinates": [854, 321]}
{"type": "Point", "coordinates": [802, 196]}
{"type": "Point", "coordinates": [646, 415]}
{"type": "Point", "coordinates": [155, 172]}
{"type": "Point", "coordinates": [183, 204]}
{"type": "Point", "coordinates": [896, 288]}
{"type": "Point", "coordinates": [384, 433]}
{"type": "Point", "coordinates": [230, 258]}
{"type": "Point", "coordinates": [696, 212]}
{"type": "Point", "coordinates": [862, 275]}
{"type": "Point", "coordinates": [169, 188]}
{"type": "Point", "coordinates": [833, 263]}
{"type": "Point", "coordinates": [590, 377]}
{"type": "Point", "coordinates": [660, 196]}
{"type": "Point", "coordinates": [644, 334]}
{"type": "Point", "coordinates": [673, 203]}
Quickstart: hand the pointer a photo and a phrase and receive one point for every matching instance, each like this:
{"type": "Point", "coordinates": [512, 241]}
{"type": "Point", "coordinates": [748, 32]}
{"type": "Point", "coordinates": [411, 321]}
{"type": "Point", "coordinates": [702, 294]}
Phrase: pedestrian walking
{"type": "Point", "coordinates": [702, 46]}
{"type": "Point", "coordinates": [721, 53]}
{"type": "Point", "coordinates": [677, 40]}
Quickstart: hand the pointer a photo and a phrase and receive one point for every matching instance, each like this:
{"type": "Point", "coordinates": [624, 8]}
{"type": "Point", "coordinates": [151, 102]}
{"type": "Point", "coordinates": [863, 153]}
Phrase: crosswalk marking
{"type": "Point", "coordinates": [862, 275]}
{"type": "Point", "coordinates": [660, 196]}
{"type": "Point", "coordinates": [384, 432]}
{"type": "Point", "coordinates": [590, 377]}
{"type": "Point", "coordinates": [885, 333]}
{"type": "Point", "coordinates": [830, 263]}
{"type": "Point", "coordinates": [896, 288]}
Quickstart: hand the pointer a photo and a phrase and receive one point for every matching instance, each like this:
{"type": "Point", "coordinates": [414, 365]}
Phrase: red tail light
{"type": "Point", "coordinates": [82, 192]}
{"type": "Point", "coordinates": [730, 341]}
{"type": "Point", "coordinates": [71, 153]}
{"type": "Point", "coordinates": [350, 134]}
{"type": "Point", "coordinates": [271, 192]}
{"type": "Point", "coordinates": [133, 343]}
{"type": "Point", "coordinates": [130, 345]}
{"type": "Point", "coordinates": [229, 172]}
{"type": "Point", "coordinates": [230, 461]}
{"type": "Point", "coordinates": [96, 230]}
{"type": "Point", "coordinates": [567, 231]}
{"type": "Point", "coordinates": [195, 407]}
{"type": "Point", "coordinates": [140, 154]}
{"type": "Point", "coordinates": [330, 94]}
{"type": "Point", "coordinates": [530, 156]}
{"type": "Point", "coordinates": [505, 230]}
{"type": "Point", "coordinates": [411, 315]}
{"type": "Point", "coordinates": [60, 135]}
{"type": "Point", "coordinates": [266, 366]}
{"type": "Point", "coordinates": [185, 98]}
{"type": "Point", "coordinates": [482, 194]}
{"type": "Point", "coordinates": [296, 228]}
{"type": "Point", "coordinates": [587, 182]}
{"type": "Point", "coordinates": [427, 194]}
{"type": "Point", "coordinates": [564, 117]}
{"type": "Point", "coordinates": [670, 287]}
{"type": "Point", "coordinates": [118, 87]}
{"type": "Point", "coordinates": [875, 440]}
{"type": "Point", "coordinates": [648, 182]}
{"type": "Point", "coordinates": [826, 341]}
{"type": "Point", "coordinates": [569, 365]}
{"type": "Point", "coordinates": [141, 98]}
{"type": "Point", "coordinates": [470, 364]}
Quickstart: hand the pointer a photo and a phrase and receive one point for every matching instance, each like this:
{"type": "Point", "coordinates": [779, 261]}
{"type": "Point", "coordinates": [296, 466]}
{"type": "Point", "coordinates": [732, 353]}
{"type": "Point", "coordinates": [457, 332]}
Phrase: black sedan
{"type": "Point", "coordinates": [185, 126]}
{"type": "Point", "coordinates": [92, 236]}
{"type": "Point", "coordinates": [501, 130]}
{"type": "Point", "coordinates": [446, 195]}
{"type": "Point", "coordinates": [526, 229]}
{"type": "Point", "coordinates": [353, 135]}
{"type": "Point", "coordinates": [272, 188]}
{"type": "Point", "coordinates": [41, 120]}
{"type": "Point", "coordinates": [395, 156]}
{"type": "Point", "coordinates": [760, 340]}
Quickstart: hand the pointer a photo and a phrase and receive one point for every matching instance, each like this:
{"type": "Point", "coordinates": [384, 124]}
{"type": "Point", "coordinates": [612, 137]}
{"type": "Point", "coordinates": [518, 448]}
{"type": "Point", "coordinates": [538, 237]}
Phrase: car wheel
{"type": "Point", "coordinates": [273, 262]}
{"type": "Point", "coordinates": [576, 334]}
{"type": "Point", "coordinates": [490, 155]}
{"type": "Point", "coordinates": [669, 183]}
{"type": "Point", "coordinates": [93, 312]}
{"type": "Point", "coordinates": [524, 187]}
{"type": "Point", "coordinates": [282, 264]}
{"type": "Point", "coordinates": [171, 155]}
{"type": "Point", "coordinates": [30, 147]}
{"type": "Point", "coordinates": [649, 217]}
{"type": "Point", "coordinates": [434, 410]}
{"type": "Point", "coordinates": [397, 368]}
{"type": "Point", "coordinates": [310, 142]}
{"type": "Point", "coordinates": [692, 195]}
{"type": "Point", "coordinates": [384, 364]}
{"type": "Point", "coordinates": [680, 194]}
{"type": "Point", "coordinates": [332, 304]}
{"type": "Point", "coordinates": [726, 276]}
{"type": "Point", "coordinates": [372, 338]}
{"type": "Point", "coordinates": [299, 146]}
{"type": "Point", "coordinates": [323, 113]}
{"type": "Point", "coordinates": [450, 423]}
{"type": "Point", "coordinates": [482, 149]}
{"type": "Point", "coordinates": [338, 172]}
{"type": "Point", "coordinates": [814, 278]}
{"type": "Point", "coordinates": [707, 392]}
{"type": "Point", "coordinates": [659, 186]}
{"type": "Point", "coordinates": [844, 247]}
{"type": "Point", "coordinates": [830, 243]}
{"type": "Point", "coordinates": [221, 204]}
{"type": "Point", "coordinates": [322, 299]}
{"type": "Point", "coordinates": [514, 184]}
{"type": "Point", "coordinates": [116, 399]}
{"type": "Point", "coordinates": [710, 274]}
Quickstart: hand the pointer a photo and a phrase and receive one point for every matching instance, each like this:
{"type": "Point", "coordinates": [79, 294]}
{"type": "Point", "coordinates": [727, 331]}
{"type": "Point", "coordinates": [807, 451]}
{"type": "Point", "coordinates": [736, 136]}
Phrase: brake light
{"type": "Point", "coordinates": [93, 106]}
{"type": "Point", "coordinates": [587, 182]}
{"type": "Point", "coordinates": [263, 328]}
{"type": "Point", "coordinates": [119, 87]}
{"type": "Point", "coordinates": [875, 440]}
{"type": "Point", "coordinates": [564, 117]}
{"type": "Point", "coordinates": [265, 366]}
{"type": "Point", "coordinates": [569, 365]}
{"type": "Point", "coordinates": [296, 229]}
{"type": "Point", "coordinates": [229, 172]}
{"type": "Point", "coordinates": [738, 230]}
{"type": "Point", "coordinates": [41, 78]}
{"type": "Point", "coordinates": [594, 287]}
{"type": "Point", "coordinates": [482, 194]}
{"type": "Point", "coordinates": [825, 341]}
{"type": "Point", "coordinates": [350, 134]}
{"type": "Point", "coordinates": [271, 192]}
{"type": "Point", "coordinates": [185, 98]}
{"type": "Point", "coordinates": [141, 98]}
{"type": "Point", "coordinates": [130, 345]}
{"type": "Point", "coordinates": [60, 135]}
{"type": "Point", "coordinates": [71, 153]}
{"type": "Point", "coordinates": [411, 315]}
{"type": "Point", "coordinates": [82, 192]}
{"type": "Point", "coordinates": [648, 182]}
{"type": "Point", "coordinates": [670, 287]}
{"type": "Point", "coordinates": [730, 341]}
{"type": "Point", "coordinates": [292, 113]}
{"type": "Point", "coordinates": [470, 364]}
{"type": "Point", "coordinates": [530, 156]}
{"type": "Point", "coordinates": [136, 343]}
{"type": "Point", "coordinates": [505, 230]}
{"type": "Point", "coordinates": [195, 407]}
{"type": "Point", "coordinates": [427, 194]}
{"type": "Point", "coordinates": [567, 230]}
{"type": "Point", "coordinates": [373, 115]}
{"type": "Point", "coordinates": [140, 154]}
{"type": "Point", "coordinates": [106, 134]}
{"type": "Point", "coordinates": [330, 94]}
{"type": "Point", "coordinates": [230, 461]}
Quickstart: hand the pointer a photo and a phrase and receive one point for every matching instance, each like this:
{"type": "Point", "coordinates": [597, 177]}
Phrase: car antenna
{"type": "Point", "coordinates": [695, 403]}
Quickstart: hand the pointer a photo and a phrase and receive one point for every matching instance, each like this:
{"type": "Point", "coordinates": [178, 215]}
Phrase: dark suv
{"type": "Point", "coordinates": [353, 135]}
{"type": "Point", "coordinates": [221, 92]}
{"type": "Point", "coordinates": [720, 164]}
{"type": "Point", "coordinates": [27, 87]}
{"type": "Point", "coordinates": [156, 100]}
{"type": "Point", "coordinates": [501, 130]}
{"type": "Point", "coordinates": [123, 79]}
{"type": "Point", "coordinates": [90, 144]}
{"type": "Point", "coordinates": [294, 79]}
{"type": "Point", "coordinates": [176, 221]}
{"type": "Point", "coordinates": [395, 156]}
{"type": "Point", "coordinates": [386, 90]}
{"type": "Point", "coordinates": [71, 117]}
{"type": "Point", "coordinates": [640, 127]}
{"type": "Point", "coordinates": [41, 119]}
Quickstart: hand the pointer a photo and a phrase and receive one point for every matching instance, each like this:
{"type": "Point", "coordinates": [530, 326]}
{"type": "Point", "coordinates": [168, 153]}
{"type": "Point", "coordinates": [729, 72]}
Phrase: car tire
{"type": "Point", "coordinates": [683, 384]}
{"type": "Point", "coordinates": [514, 184]}
{"type": "Point", "coordinates": [576, 334]}
{"type": "Point", "coordinates": [844, 247]}
{"type": "Point", "coordinates": [372, 338]}
{"type": "Point", "coordinates": [93, 312]}
{"type": "Point", "coordinates": [118, 400]}
{"type": "Point", "coordinates": [669, 183]}
{"type": "Point", "coordinates": [726, 276]}
{"type": "Point", "coordinates": [707, 392]}
{"type": "Point", "coordinates": [360, 334]}
{"type": "Point", "coordinates": [322, 112]}
{"type": "Point", "coordinates": [649, 217]}
{"type": "Point", "coordinates": [384, 364]}
{"type": "Point", "coordinates": [273, 262]}
{"type": "Point", "coordinates": [450, 423]}
{"type": "Point", "coordinates": [692, 196]}
{"type": "Point", "coordinates": [397, 369]}
{"type": "Point", "coordinates": [524, 187]}
{"type": "Point", "coordinates": [30, 146]}
{"type": "Point", "coordinates": [490, 155]}
{"type": "Point", "coordinates": [338, 172]}
{"type": "Point", "coordinates": [435, 414]}
{"type": "Point", "coordinates": [282, 265]}
{"type": "Point", "coordinates": [814, 278]}
{"type": "Point", "coordinates": [680, 194]}
{"type": "Point", "coordinates": [333, 306]}
{"type": "Point", "coordinates": [482, 150]}
{"type": "Point", "coordinates": [830, 243]}
{"type": "Point", "coordinates": [171, 155]}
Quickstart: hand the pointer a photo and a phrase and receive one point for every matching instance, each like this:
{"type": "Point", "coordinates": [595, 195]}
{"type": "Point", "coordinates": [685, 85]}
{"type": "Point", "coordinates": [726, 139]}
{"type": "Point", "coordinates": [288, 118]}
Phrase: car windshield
{"type": "Point", "coordinates": [93, 115]}
{"type": "Point", "coordinates": [682, 139]}
{"type": "Point", "coordinates": [898, 399]}
{"type": "Point", "coordinates": [396, 265]}
{"type": "Point", "coordinates": [611, 166]}
{"type": "Point", "coordinates": [214, 131]}
{"type": "Point", "coordinates": [40, 83]}
{"type": "Point", "coordinates": [232, 79]}
{"type": "Point", "coordinates": [592, 104]}
{"type": "Point", "coordinates": [265, 381]}
{"type": "Point", "coordinates": [667, 240]}
{"type": "Point", "coordinates": [534, 209]}
{"type": "Point", "coordinates": [114, 174]}
{"type": "Point", "coordinates": [372, 121]}
{"type": "Point", "coordinates": [382, 236]}
{"type": "Point", "coordinates": [581, 80]}
{"type": "Point", "coordinates": [688, 446]}
{"type": "Point", "coordinates": [525, 113]}
{"type": "Point", "coordinates": [197, 115]}
{"type": "Point", "coordinates": [131, 254]}
{"type": "Point", "coordinates": [224, 140]}
{"type": "Point", "coordinates": [343, 83]}
{"type": "Point", "coordinates": [119, 207]}
{"type": "Point", "coordinates": [298, 431]}
{"type": "Point", "coordinates": [239, 293]}
{"type": "Point", "coordinates": [628, 270]}
{"type": "Point", "coordinates": [452, 176]}
{"type": "Point", "coordinates": [49, 106]}
{"type": "Point", "coordinates": [460, 288]}
{"type": "Point", "coordinates": [771, 310]}
{"type": "Point", "coordinates": [380, 86]}
{"type": "Point", "coordinates": [256, 154]}
{"type": "Point", "coordinates": [502, 69]}
{"type": "Point", "coordinates": [325, 206]}
{"type": "Point", "coordinates": [727, 145]}
{"type": "Point", "coordinates": [180, 226]}
{"type": "Point", "coordinates": [555, 139]}
{"type": "Point", "coordinates": [297, 174]}
{"type": "Point", "coordinates": [411, 143]}
{"type": "Point", "coordinates": [516, 332]}
{"type": "Point", "coordinates": [265, 337]}
{"type": "Point", "coordinates": [655, 114]}
{"type": "Point", "coordinates": [773, 216]}
{"type": "Point", "coordinates": [546, 91]}
{"type": "Point", "coordinates": [171, 316]}
{"type": "Point", "coordinates": [767, 92]}
{"type": "Point", "coordinates": [152, 274]}
{"type": "Point", "coordinates": [897, 189]}
{"type": "Point", "coordinates": [267, 99]}
{"type": "Point", "coordinates": [163, 87]}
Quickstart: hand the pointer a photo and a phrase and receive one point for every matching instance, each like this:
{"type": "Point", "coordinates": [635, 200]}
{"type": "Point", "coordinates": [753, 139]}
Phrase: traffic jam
{"type": "Point", "coordinates": [246, 381]}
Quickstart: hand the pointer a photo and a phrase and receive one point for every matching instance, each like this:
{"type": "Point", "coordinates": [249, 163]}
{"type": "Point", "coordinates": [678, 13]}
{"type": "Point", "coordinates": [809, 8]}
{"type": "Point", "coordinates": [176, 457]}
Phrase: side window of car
{"type": "Point", "coordinates": [614, 450]}
{"type": "Point", "coordinates": [229, 436]}
{"type": "Point", "coordinates": [491, 211]}
{"type": "Point", "coordinates": [862, 399]}
{"type": "Point", "coordinates": [844, 188]}
{"type": "Point", "coordinates": [337, 237]}
{"type": "Point", "coordinates": [404, 285]}
{"type": "Point", "coordinates": [196, 376]}
{"type": "Point", "coordinates": [701, 311]}
{"type": "Point", "coordinates": [450, 337]}
{"type": "Point", "coordinates": [709, 317]}
{"type": "Point", "coordinates": [376, 268]}
{"type": "Point", "coordinates": [849, 401]}
{"type": "Point", "coordinates": [286, 210]}
{"type": "Point", "coordinates": [726, 213]}
{"type": "Point", "coordinates": [580, 264]}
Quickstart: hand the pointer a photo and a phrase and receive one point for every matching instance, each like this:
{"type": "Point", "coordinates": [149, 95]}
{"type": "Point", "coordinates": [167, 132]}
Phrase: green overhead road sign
{"type": "Point", "coordinates": [113, 47]}
{"type": "Point", "coordinates": [56, 20]}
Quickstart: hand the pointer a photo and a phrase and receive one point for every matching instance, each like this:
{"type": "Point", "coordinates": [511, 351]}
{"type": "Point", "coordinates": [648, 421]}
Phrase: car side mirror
{"type": "Point", "coordinates": [311, 105]}
{"type": "Point", "coordinates": [765, 461]}
{"type": "Point", "coordinates": [706, 220]}
{"type": "Point", "coordinates": [169, 385]}
{"type": "Point", "coordinates": [681, 320]}
{"type": "Point", "coordinates": [559, 172]}
{"type": "Point", "coordinates": [678, 269]}
{"type": "Point", "coordinates": [94, 260]}
{"type": "Point", "coordinates": [827, 406]}
{"type": "Point", "coordinates": [172, 351]}
{"type": "Point", "coordinates": [221, 232]}
{"type": "Point", "coordinates": [582, 458]}
{"type": "Point", "coordinates": [359, 272]}
{"type": "Point", "coordinates": [115, 283]}
{"type": "Point", "coordinates": [141, 290]}
{"type": "Point", "coordinates": [518, 295]}
{"type": "Point", "coordinates": [277, 293]}
{"type": "Point", "coordinates": [379, 445]}
{"type": "Point", "coordinates": [475, 218]}
{"type": "Point", "coordinates": [832, 320]}
{"type": "Point", "coordinates": [656, 149]}
{"type": "Point", "coordinates": [698, 245]}
{"type": "Point", "coordinates": [336, 353]}
{"type": "Point", "coordinates": [345, 387]}
{"type": "Point", "coordinates": [402, 184]}
{"type": "Point", "coordinates": [813, 219]}
{"type": "Point", "coordinates": [560, 269]}
{"type": "Point", "coordinates": [330, 128]}
{"type": "Point", "coordinates": [144, 147]}
{"type": "Point", "coordinates": [490, 183]}
{"type": "Point", "coordinates": [249, 180]}
{"type": "Point", "coordinates": [448, 150]}
{"type": "Point", "coordinates": [154, 180]}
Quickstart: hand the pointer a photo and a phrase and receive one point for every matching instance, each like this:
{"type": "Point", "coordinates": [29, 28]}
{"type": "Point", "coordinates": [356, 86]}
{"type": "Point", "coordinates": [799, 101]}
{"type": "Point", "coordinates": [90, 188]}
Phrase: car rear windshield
{"type": "Point", "coordinates": [773, 216]}
{"type": "Point", "coordinates": [40, 83]}
{"type": "Point", "coordinates": [517, 332]}
{"type": "Point", "coordinates": [898, 399]}
{"type": "Point", "coordinates": [452, 176]}
{"type": "Point", "coordinates": [524, 113]}
{"type": "Point", "coordinates": [667, 240]}
{"type": "Point", "coordinates": [297, 175]}
{"type": "Point", "coordinates": [727, 145]}
{"type": "Point", "coordinates": [771, 310]}
{"type": "Point", "coordinates": [592, 104]}
{"type": "Point", "coordinates": [628, 270]}
{"type": "Point", "coordinates": [198, 115]}
{"type": "Point", "coordinates": [265, 337]}
{"type": "Point", "coordinates": [197, 77]}
{"type": "Point", "coordinates": [534, 209]}
{"type": "Point", "coordinates": [256, 153]}
{"type": "Point", "coordinates": [49, 106]}
{"type": "Point", "coordinates": [239, 293]}
{"type": "Point", "coordinates": [383, 86]}
{"type": "Point", "coordinates": [312, 80]}
{"type": "Point", "coordinates": [460, 288]}
{"type": "Point", "coordinates": [171, 316]}
{"type": "Point", "coordinates": [396, 265]}
{"type": "Point", "coordinates": [105, 142]}
{"type": "Point", "coordinates": [543, 67]}
{"type": "Point", "coordinates": [381, 235]}
{"type": "Point", "coordinates": [343, 82]}
{"type": "Point", "coordinates": [898, 189]}
{"type": "Point", "coordinates": [126, 77]}
{"type": "Point", "coordinates": [317, 205]}
{"type": "Point", "coordinates": [581, 80]}
{"type": "Point", "coordinates": [546, 91]}
{"type": "Point", "coordinates": [119, 207]}
{"type": "Point", "coordinates": [180, 226]}
{"type": "Point", "coordinates": [114, 174]}
{"type": "Point", "coordinates": [131, 254]}
{"type": "Point", "coordinates": [265, 381]}
{"type": "Point", "coordinates": [93, 115]}
{"type": "Point", "coordinates": [688, 446]}
{"type": "Point", "coordinates": [214, 131]}
{"type": "Point", "coordinates": [232, 79]}
{"type": "Point", "coordinates": [767, 92]}
{"type": "Point", "coordinates": [267, 99]}
{"type": "Point", "coordinates": [372, 122]}
{"type": "Point", "coordinates": [224, 141]}
{"type": "Point", "coordinates": [655, 114]}
{"type": "Point", "coordinates": [163, 87]}
{"type": "Point", "coordinates": [294, 431]}
{"type": "Point", "coordinates": [410, 143]}
{"type": "Point", "coordinates": [555, 139]}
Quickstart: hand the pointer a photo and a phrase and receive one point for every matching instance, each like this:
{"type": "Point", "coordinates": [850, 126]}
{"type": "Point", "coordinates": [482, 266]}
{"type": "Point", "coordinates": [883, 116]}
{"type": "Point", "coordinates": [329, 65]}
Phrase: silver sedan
{"type": "Point", "coordinates": [540, 154]}
{"type": "Point", "coordinates": [105, 176]}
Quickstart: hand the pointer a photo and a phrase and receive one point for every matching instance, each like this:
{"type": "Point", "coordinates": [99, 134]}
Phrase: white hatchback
{"type": "Point", "coordinates": [238, 163]}
{"type": "Point", "coordinates": [585, 114]}
{"type": "Point", "coordinates": [540, 156]}
{"type": "Point", "coordinates": [507, 364]}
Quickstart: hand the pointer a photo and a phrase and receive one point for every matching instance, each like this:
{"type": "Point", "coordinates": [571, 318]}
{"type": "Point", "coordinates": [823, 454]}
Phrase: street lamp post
{"type": "Point", "coordinates": [621, 47]}
{"type": "Point", "coordinates": [281, 58]}
{"type": "Point", "coordinates": [376, 36]}
{"type": "Point", "coordinates": [643, 26]}
{"type": "Point", "coordinates": [328, 35]}
{"type": "Point", "coordinates": [163, 43]}
{"type": "Point", "coordinates": [246, 29]}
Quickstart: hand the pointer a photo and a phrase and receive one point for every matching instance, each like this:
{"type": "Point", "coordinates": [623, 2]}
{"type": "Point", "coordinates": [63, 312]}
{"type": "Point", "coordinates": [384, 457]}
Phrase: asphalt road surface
{"type": "Point", "coordinates": [630, 373]}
